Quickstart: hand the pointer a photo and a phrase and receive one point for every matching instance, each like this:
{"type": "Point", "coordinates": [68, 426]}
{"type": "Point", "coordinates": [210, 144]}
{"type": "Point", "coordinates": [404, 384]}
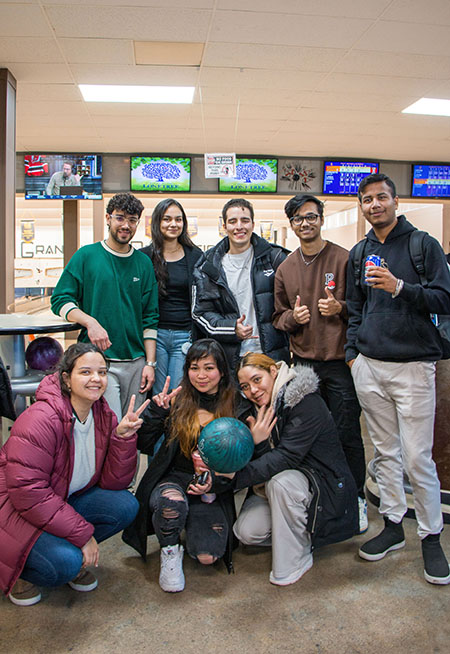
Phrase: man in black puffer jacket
{"type": "Point", "coordinates": [232, 299]}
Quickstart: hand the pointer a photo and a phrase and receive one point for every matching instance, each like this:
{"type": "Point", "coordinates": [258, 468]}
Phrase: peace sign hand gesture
{"type": "Point", "coordinates": [164, 398]}
{"type": "Point", "coordinates": [131, 422]}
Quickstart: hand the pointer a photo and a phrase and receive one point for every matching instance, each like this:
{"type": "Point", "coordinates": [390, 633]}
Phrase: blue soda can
{"type": "Point", "coordinates": [371, 261]}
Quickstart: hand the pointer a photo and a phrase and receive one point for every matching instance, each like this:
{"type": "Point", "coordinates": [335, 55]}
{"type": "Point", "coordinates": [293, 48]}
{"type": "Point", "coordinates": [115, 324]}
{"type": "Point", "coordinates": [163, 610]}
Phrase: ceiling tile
{"type": "Point", "coordinates": [140, 24]}
{"type": "Point", "coordinates": [27, 92]}
{"type": "Point", "coordinates": [23, 20]}
{"type": "Point", "coordinates": [153, 75]}
{"type": "Point", "coordinates": [283, 29]}
{"type": "Point", "coordinates": [387, 63]}
{"type": "Point", "coordinates": [98, 51]}
{"type": "Point", "coordinates": [434, 12]}
{"type": "Point", "coordinates": [348, 8]}
{"type": "Point", "coordinates": [250, 78]}
{"type": "Point", "coordinates": [41, 73]}
{"type": "Point", "coordinates": [399, 86]}
{"type": "Point", "coordinates": [272, 57]}
{"type": "Point", "coordinates": [406, 37]}
{"type": "Point", "coordinates": [29, 49]}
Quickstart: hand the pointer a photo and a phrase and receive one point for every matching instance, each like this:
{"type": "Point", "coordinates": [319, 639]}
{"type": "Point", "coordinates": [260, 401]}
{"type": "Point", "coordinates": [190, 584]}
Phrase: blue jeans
{"type": "Point", "coordinates": [169, 357]}
{"type": "Point", "coordinates": [53, 561]}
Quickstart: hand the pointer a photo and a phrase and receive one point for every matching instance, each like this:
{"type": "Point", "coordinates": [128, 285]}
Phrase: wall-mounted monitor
{"type": "Point", "coordinates": [253, 175]}
{"type": "Point", "coordinates": [430, 181]}
{"type": "Point", "coordinates": [164, 174]}
{"type": "Point", "coordinates": [63, 176]}
{"type": "Point", "coordinates": [343, 177]}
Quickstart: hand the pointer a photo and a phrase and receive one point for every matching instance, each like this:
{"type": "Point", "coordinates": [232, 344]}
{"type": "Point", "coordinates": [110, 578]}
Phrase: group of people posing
{"type": "Point", "coordinates": [293, 346]}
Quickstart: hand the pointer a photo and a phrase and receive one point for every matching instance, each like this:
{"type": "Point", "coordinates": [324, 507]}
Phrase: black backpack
{"type": "Point", "coordinates": [416, 248]}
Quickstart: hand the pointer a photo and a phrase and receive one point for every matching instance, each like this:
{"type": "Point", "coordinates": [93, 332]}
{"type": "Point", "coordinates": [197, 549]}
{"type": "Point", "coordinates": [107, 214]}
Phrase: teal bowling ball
{"type": "Point", "coordinates": [226, 445]}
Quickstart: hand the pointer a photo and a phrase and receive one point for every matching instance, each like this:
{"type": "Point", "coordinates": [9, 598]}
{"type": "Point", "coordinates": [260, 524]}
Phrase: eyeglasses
{"type": "Point", "coordinates": [122, 219]}
{"type": "Point", "coordinates": [310, 219]}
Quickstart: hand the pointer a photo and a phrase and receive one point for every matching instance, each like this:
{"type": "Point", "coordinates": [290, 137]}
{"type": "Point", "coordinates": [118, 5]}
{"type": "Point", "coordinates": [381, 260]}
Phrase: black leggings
{"type": "Point", "coordinates": [205, 524]}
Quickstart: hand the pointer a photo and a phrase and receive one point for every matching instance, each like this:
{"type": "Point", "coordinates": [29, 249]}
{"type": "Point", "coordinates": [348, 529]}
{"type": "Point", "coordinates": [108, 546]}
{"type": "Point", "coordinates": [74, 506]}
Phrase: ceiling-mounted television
{"type": "Point", "coordinates": [253, 175]}
{"type": "Point", "coordinates": [430, 181]}
{"type": "Point", "coordinates": [150, 174]}
{"type": "Point", "coordinates": [63, 176]}
{"type": "Point", "coordinates": [343, 177]}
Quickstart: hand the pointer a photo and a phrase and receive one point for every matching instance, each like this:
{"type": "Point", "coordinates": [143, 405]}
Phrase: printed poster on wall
{"type": "Point", "coordinates": [221, 164]}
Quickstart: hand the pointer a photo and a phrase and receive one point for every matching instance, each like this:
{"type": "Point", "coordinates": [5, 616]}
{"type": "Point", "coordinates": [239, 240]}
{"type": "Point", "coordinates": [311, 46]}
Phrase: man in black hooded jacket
{"type": "Point", "coordinates": [392, 349]}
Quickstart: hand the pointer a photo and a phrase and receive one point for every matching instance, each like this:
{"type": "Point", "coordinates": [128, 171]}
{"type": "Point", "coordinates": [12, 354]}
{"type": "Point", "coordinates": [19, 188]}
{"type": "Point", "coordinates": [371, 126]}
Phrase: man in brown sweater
{"type": "Point", "coordinates": [310, 305]}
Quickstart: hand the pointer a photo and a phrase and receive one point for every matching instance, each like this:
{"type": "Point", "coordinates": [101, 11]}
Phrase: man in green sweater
{"type": "Point", "coordinates": [110, 289]}
{"type": "Point", "coordinates": [310, 305]}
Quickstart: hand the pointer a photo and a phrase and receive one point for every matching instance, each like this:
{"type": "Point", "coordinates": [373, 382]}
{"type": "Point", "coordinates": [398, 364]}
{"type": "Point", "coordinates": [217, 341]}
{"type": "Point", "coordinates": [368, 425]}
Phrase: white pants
{"type": "Point", "coordinates": [124, 380]}
{"type": "Point", "coordinates": [280, 520]}
{"type": "Point", "coordinates": [398, 400]}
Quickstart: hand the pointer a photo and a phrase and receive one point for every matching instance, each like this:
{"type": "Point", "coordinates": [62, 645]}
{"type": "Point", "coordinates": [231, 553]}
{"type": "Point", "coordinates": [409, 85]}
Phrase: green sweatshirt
{"type": "Point", "coordinates": [118, 290]}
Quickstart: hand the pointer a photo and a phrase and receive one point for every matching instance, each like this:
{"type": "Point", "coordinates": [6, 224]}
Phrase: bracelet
{"type": "Point", "coordinates": [152, 364]}
{"type": "Point", "coordinates": [398, 287]}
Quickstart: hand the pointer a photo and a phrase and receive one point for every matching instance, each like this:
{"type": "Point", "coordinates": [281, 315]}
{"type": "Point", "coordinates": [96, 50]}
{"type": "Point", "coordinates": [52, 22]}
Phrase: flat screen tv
{"type": "Point", "coordinates": [63, 176]}
{"type": "Point", "coordinates": [252, 176]}
{"type": "Point", "coordinates": [164, 174]}
{"type": "Point", "coordinates": [430, 181]}
{"type": "Point", "coordinates": [343, 177]}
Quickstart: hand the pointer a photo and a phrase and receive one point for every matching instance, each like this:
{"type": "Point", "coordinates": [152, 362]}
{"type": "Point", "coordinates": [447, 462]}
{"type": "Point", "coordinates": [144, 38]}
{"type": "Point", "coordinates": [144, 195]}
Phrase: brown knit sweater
{"type": "Point", "coordinates": [323, 338]}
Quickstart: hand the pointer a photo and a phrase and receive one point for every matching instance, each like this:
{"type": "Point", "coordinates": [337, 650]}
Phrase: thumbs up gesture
{"type": "Point", "coordinates": [301, 312]}
{"type": "Point", "coordinates": [329, 306]}
{"type": "Point", "coordinates": [243, 331]}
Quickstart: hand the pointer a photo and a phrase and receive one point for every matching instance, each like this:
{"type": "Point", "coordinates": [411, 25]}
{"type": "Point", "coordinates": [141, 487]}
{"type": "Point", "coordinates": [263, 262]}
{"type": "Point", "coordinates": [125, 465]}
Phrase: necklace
{"type": "Point", "coordinates": [308, 263]}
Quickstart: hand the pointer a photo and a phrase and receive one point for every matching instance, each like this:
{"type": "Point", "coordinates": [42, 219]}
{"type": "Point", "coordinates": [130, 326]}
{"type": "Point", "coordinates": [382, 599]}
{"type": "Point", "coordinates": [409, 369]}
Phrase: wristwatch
{"type": "Point", "coordinates": [152, 364]}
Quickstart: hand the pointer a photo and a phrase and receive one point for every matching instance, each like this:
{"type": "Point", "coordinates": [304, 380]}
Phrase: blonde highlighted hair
{"type": "Point", "coordinates": [258, 360]}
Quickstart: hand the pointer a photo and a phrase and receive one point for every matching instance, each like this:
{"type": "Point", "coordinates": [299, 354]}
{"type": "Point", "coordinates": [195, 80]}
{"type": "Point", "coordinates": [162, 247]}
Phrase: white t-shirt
{"type": "Point", "coordinates": [237, 269]}
{"type": "Point", "coordinates": [84, 462]}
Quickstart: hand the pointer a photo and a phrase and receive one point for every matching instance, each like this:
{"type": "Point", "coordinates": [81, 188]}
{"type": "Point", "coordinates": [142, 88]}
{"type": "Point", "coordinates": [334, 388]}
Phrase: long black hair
{"type": "Point", "coordinates": [184, 422]}
{"type": "Point", "coordinates": [157, 254]}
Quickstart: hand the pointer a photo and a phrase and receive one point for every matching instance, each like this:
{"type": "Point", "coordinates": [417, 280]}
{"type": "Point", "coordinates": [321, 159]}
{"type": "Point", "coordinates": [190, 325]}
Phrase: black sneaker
{"type": "Point", "coordinates": [436, 567]}
{"type": "Point", "coordinates": [391, 538]}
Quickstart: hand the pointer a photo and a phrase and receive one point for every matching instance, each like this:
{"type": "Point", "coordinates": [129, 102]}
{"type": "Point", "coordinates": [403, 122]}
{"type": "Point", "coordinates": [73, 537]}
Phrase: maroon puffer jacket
{"type": "Point", "coordinates": [36, 465]}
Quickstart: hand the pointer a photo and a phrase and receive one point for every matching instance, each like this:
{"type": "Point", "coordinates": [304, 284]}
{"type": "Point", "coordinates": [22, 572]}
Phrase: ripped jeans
{"type": "Point", "coordinates": [173, 510]}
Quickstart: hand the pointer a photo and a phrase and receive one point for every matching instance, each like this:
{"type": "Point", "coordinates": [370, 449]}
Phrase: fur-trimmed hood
{"type": "Point", "coordinates": [305, 381]}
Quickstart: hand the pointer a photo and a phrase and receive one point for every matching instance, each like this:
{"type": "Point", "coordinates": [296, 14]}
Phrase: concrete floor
{"type": "Point", "coordinates": [343, 605]}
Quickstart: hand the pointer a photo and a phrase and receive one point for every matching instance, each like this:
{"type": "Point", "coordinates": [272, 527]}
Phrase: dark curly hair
{"type": "Point", "coordinates": [125, 202]}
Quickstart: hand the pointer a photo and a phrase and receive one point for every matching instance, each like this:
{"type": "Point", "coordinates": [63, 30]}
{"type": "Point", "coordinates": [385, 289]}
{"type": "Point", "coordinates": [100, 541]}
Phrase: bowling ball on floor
{"type": "Point", "coordinates": [226, 445]}
{"type": "Point", "coordinates": [44, 353]}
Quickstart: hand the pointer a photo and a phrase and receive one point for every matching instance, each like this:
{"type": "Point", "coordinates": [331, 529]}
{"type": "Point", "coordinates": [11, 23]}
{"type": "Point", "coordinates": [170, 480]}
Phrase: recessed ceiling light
{"type": "Point", "coordinates": [149, 94]}
{"type": "Point", "coordinates": [429, 107]}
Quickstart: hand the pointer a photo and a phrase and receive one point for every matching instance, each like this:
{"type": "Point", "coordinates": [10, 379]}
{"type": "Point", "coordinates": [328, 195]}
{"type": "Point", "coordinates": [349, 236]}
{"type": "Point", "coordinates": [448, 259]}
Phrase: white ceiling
{"type": "Point", "coordinates": [288, 77]}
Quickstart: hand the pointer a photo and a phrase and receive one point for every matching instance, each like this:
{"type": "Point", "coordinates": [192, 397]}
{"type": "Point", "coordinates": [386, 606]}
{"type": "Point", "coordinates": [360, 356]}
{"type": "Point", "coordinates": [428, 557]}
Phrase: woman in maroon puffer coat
{"type": "Point", "coordinates": [63, 475]}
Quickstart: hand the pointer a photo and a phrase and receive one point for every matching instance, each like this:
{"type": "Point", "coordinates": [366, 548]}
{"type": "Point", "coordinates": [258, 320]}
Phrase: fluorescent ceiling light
{"type": "Point", "coordinates": [149, 94]}
{"type": "Point", "coordinates": [429, 107]}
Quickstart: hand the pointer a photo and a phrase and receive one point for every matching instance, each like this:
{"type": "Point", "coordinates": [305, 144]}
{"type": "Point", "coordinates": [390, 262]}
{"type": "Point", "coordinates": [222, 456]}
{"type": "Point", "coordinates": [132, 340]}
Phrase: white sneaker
{"type": "Point", "coordinates": [363, 519]}
{"type": "Point", "coordinates": [171, 576]}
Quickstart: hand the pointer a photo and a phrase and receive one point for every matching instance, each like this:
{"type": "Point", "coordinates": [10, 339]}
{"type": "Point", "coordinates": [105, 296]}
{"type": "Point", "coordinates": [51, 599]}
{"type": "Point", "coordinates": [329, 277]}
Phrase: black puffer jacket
{"type": "Point", "coordinates": [305, 439]}
{"type": "Point", "coordinates": [155, 423]}
{"type": "Point", "coordinates": [214, 307]}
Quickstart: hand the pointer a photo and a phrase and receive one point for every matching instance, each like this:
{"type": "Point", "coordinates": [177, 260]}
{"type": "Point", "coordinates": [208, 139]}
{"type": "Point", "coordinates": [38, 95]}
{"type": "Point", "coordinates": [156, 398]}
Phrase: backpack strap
{"type": "Point", "coordinates": [416, 239]}
{"type": "Point", "coordinates": [358, 259]}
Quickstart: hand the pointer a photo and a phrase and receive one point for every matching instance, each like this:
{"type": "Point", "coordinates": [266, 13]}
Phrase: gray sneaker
{"type": "Point", "coordinates": [171, 576]}
{"type": "Point", "coordinates": [24, 593]}
{"type": "Point", "coordinates": [84, 582]}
